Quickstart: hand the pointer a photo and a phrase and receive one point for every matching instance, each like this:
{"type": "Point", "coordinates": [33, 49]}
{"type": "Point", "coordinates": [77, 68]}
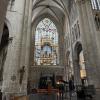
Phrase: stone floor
{"type": "Point", "coordinates": [52, 97]}
{"type": "Point", "coordinates": [66, 96]}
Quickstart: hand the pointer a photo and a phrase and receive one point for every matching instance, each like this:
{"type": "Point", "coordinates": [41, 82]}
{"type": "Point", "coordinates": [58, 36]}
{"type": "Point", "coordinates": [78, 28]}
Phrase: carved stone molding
{"type": "Point", "coordinates": [81, 1]}
{"type": "Point", "coordinates": [46, 69]}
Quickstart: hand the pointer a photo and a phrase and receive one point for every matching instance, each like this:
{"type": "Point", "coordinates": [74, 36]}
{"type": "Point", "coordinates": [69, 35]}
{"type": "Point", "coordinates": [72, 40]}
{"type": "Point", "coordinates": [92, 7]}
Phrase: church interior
{"type": "Point", "coordinates": [49, 49]}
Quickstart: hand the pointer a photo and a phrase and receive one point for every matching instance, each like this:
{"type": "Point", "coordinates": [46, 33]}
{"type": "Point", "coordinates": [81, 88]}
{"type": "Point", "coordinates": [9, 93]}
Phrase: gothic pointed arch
{"type": "Point", "coordinates": [59, 27]}
{"type": "Point", "coordinates": [3, 49]}
{"type": "Point", "coordinates": [46, 43]}
{"type": "Point", "coordinates": [79, 65]}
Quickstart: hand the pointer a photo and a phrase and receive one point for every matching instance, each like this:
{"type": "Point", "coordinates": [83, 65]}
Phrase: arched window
{"type": "Point", "coordinates": [95, 4]}
{"type": "Point", "coordinates": [46, 43]}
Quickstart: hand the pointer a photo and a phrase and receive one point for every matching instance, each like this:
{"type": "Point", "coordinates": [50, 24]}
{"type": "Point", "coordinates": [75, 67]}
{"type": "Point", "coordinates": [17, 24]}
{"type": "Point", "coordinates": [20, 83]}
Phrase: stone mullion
{"type": "Point", "coordinates": [87, 42]}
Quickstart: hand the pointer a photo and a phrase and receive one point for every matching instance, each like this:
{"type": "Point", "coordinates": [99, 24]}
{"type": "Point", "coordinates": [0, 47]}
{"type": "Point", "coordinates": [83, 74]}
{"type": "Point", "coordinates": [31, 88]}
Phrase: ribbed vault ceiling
{"type": "Point", "coordinates": [55, 8]}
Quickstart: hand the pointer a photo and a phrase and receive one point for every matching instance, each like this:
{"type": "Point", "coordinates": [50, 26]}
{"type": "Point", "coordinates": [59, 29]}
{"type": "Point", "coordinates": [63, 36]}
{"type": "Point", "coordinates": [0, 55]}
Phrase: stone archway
{"type": "Point", "coordinates": [36, 70]}
{"type": "Point", "coordinates": [76, 64]}
{"type": "Point", "coordinates": [3, 49]}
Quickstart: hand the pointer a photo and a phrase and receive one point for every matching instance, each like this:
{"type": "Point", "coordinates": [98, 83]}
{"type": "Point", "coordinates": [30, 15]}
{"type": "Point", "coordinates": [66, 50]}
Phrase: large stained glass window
{"type": "Point", "coordinates": [46, 43]}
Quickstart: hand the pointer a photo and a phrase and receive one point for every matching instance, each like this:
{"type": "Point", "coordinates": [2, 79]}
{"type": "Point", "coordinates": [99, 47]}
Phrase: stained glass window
{"type": "Point", "coordinates": [95, 4]}
{"type": "Point", "coordinates": [46, 43]}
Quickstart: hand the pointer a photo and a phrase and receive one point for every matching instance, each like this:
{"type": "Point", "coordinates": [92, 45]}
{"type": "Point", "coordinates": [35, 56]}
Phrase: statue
{"type": "Point", "coordinates": [97, 21]}
{"type": "Point", "coordinates": [21, 71]}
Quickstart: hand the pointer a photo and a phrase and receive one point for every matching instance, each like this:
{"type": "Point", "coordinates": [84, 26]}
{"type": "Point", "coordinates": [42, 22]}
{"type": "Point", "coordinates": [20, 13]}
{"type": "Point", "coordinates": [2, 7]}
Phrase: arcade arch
{"type": "Point", "coordinates": [79, 65]}
{"type": "Point", "coordinates": [3, 49]}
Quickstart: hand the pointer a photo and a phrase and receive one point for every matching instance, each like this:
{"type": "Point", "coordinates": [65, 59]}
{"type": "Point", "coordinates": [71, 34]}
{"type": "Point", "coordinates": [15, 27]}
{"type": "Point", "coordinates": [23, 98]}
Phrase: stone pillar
{"type": "Point", "coordinates": [89, 42]}
{"type": "Point", "coordinates": [24, 37]}
{"type": "Point", "coordinates": [77, 77]}
{"type": "Point", "coordinates": [11, 67]}
{"type": "Point", "coordinates": [61, 47]}
{"type": "Point", "coordinates": [3, 9]}
{"type": "Point", "coordinates": [25, 57]}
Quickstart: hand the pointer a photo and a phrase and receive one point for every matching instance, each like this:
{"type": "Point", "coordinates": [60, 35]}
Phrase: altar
{"type": "Point", "coordinates": [45, 71]}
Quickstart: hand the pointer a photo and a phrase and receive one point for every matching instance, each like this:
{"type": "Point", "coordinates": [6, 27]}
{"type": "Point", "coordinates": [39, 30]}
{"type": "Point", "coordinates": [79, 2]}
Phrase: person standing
{"type": "Point", "coordinates": [0, 95]}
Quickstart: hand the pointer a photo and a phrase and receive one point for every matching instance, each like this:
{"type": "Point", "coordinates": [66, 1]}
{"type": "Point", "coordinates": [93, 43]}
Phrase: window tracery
{"type": "Point", "coordinates": [46, 43]}
{"type": "Point", "coordinates": [95, 4]}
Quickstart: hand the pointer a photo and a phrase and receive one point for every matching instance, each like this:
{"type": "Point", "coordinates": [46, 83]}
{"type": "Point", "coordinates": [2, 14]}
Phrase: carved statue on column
{"type": "Point", "coordinates": [97, 21]}
{"type": "Point", "coordinates": [21, 72]}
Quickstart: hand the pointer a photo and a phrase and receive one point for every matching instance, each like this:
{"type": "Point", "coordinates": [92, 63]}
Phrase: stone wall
{"type": "Point", "coordinates": [11, 76]}
{"type": "Point", "coordinates": [19, 17]}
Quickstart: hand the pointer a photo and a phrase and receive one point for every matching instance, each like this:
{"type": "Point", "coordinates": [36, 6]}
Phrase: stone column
{"type": "Point", "coordinates": [61, 46]}
{"type": "Point", "coordinates": [88, 42]}
{"type": "Point", "coordinates": [11, 67]}
{"type": "Point", "coordinates": [25, 57]}
{"type": "Point", "coordinates": [24, 37]}
{"type": "Point", "coordinates": [77, 76]}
